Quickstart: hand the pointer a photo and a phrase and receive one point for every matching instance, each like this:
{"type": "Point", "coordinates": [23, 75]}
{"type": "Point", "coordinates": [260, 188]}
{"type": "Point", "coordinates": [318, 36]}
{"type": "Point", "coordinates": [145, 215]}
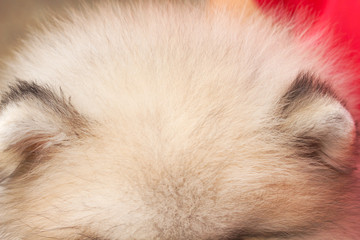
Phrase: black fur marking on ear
{"type": "Point", "coordinates": [305, 86]}
{"type": "Point", "coordinates": [58, 104]}
{"type": "Point", "coordinates": [23, 90]}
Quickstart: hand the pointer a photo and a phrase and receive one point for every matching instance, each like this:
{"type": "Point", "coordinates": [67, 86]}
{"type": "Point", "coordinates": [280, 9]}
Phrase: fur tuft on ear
{"type": "Point", "coordinates": [319, 125]}
{"type": "Point", "coordinates": [34, 121]}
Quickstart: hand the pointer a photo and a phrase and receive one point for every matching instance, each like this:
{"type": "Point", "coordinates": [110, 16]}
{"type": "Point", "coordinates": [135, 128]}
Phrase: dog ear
{"type": "Point", "coordinates": [318, 124]}
{"type": "Point", "coordinates": [34, 123]}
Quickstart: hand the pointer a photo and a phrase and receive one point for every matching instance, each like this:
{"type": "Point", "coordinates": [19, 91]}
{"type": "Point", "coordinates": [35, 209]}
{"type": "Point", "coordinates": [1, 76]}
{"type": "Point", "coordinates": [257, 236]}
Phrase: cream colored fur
{"type": "Point", "coordinates": [184, 137]}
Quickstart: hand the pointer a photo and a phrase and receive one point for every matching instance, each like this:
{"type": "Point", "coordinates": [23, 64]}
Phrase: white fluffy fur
{"type": "Point", "coordinates": [183, 145]}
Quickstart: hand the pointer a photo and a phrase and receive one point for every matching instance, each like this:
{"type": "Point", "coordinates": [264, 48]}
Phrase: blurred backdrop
{"type": "Point", "coordinates": [17, 15]}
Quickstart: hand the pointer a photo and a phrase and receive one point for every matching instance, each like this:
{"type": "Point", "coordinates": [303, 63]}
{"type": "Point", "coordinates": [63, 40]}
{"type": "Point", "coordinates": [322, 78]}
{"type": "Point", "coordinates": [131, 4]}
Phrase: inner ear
{"type": "Point", "coordinates": [318, 124]}
{"type": "Point", "coordinates": [34, 122]}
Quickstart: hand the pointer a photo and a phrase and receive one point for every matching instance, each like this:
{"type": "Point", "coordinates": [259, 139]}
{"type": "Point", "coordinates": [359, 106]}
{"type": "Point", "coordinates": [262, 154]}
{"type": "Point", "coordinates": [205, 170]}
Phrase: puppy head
{"type": "Point", "coordinates": [208, 173]}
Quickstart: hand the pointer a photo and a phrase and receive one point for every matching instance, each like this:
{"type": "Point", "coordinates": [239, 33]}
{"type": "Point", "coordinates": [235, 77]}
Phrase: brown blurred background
{"type": "Point", "coordinates": [17, 15]}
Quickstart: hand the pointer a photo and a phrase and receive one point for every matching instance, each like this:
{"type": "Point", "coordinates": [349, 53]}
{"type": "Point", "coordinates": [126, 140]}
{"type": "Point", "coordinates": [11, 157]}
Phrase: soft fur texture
{"type": "Point", "coordinates": [154, 120]}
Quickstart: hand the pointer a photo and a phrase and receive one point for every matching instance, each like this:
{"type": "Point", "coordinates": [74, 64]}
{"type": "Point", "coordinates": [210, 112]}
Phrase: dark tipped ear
{"type": "Point", "coordinates": [319, 125]}
{"type": "Point", "coordinates": [34, 121]}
